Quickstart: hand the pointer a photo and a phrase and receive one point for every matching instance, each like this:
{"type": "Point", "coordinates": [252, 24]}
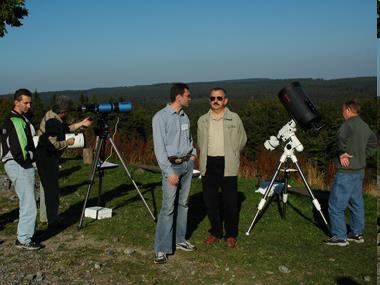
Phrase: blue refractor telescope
{"type": "Point", "coordinates": [105, 108]}
{"type": "Point", "coordinates": [102, 136]}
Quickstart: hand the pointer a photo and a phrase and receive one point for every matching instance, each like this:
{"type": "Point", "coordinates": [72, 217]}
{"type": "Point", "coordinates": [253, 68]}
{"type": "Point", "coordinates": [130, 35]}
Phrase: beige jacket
{"type": "Point", "coordinates": [58, 145]}
{"type": "Point", "coordinates": [235, 139]}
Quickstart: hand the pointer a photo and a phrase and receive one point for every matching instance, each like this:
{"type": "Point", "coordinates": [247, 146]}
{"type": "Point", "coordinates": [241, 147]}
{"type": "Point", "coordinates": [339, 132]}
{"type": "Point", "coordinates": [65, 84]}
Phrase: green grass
{"type": "Point", "coordinates": [123, 245]}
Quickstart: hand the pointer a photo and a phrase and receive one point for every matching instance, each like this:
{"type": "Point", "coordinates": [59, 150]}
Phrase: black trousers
{"type": "Point", "coordinates": [48, 170]}
{"type": "Point", "coordinates": [224, 210]}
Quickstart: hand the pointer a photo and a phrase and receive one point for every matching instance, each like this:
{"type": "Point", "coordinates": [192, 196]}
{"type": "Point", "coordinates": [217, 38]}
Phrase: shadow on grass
{"type": "Point", "coordinates": [346, 281]}
{"type": "Point", "coordinates": [73, 213]}
{"type": "Point", "coordinates": [147, 188]}
{"type": "Point", "coordinates": [197, 211]}
{"type": "Point", "coordinates": [67, 190]}
{"type": "Point", "coordinates": [323, 199]}
{"type": "Point", "coordinates": [69, 171]}
{"type": "Point", "coordinates": [317, 220]}
{"type": "Point", "coordinates": [9, 217]}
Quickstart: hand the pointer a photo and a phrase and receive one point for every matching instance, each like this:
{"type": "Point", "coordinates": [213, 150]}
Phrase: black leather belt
{"type": "Point", "coordinates": [179, 159]}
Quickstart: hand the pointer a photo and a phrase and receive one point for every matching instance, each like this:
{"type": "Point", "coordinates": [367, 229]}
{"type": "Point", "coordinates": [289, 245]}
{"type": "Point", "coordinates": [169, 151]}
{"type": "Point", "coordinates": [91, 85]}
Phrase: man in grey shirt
{"type": "Point", "coordinates": [355, 142]}
{"type": "Point", "coordinates": [175, 154]}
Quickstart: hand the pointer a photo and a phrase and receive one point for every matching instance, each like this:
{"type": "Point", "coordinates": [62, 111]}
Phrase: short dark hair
{"type": "Point", "coordinates": [20, 92]}
{"type": "Point", "coordinates": [177, 89]}
{"type": "Point", "coordinates": [353, 105]}
{"type": "Point", "coordinates": [62, 104]}
{"type": "Point", "coordinates": [219, 89]}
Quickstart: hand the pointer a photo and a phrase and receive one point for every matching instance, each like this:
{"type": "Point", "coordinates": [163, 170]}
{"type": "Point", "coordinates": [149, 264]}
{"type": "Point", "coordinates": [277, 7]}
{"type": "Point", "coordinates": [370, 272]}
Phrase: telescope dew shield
{"type": "Point", "coordinates": [298, 104]}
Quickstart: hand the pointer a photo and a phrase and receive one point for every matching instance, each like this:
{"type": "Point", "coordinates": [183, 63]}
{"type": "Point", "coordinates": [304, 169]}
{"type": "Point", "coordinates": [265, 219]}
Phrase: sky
{"type": "Point", "coordinates": [78, 44]}
{"type": "Point", "coordinates": [378, 67]}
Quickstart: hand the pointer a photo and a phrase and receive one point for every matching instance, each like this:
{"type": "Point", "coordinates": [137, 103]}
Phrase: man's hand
{"type": "Point", "coordinates": [345, 159]}
{"type": "Point", "coordinates": [173, 179]}
{"type": "Point", "coordinates": [70, 141]}
{"type": "Point", "coordinates": [192, 157]}
{"type": "Point", "coordinates": [86, 122]}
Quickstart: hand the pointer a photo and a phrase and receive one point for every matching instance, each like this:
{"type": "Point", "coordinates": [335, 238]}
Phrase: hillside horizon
{"type": "Point", "coordinates": [236, 89]}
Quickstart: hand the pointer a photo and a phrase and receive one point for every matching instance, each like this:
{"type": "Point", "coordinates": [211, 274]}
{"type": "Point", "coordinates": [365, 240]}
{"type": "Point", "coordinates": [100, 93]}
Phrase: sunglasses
{"type": "Point", "coordinates": [219, 98]}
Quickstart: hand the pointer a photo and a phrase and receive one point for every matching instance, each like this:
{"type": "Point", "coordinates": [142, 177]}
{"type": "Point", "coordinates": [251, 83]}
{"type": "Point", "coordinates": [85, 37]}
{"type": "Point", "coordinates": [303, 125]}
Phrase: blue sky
{"type": "Point", "coordinates": [86, 44]}
{"type": "Point", "coordinates": [378, 67]}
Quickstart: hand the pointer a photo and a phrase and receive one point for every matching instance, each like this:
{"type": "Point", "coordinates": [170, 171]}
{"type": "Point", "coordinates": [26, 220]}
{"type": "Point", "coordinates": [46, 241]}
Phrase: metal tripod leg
{"type": "Point", "coordinates": [263, 200]}
{"type": "Point", "coordinates": [314, 200]}
{"type": "Point", "coordinates": [284, 194]}
{"type": "Point", "coordinates": [130, 177]}
{"type": "Point", "coordinates": [100, 141]}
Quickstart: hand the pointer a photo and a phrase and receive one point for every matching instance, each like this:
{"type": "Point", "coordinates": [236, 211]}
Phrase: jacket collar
{"type": "Point", "coordinates": [171, 111]}
{"type": "Point", "coordinates": [15, 113]}
{"type": "Point", "coordinates": [54, 115]}
{"type": "Point", "coordinates": [227, 114]}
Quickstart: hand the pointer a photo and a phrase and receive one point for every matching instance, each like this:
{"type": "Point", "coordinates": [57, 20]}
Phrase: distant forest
{"type": "Point", "coordinates": [255, 100]}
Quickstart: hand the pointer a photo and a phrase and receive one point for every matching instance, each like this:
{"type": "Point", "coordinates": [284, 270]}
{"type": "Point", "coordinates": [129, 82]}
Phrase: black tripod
{"type": "Point", "coordinates": [288, 154]}
{"type": "Point", "coordinates": [101, 139]}
{"type": "Point", "coordinates": [283, 195]}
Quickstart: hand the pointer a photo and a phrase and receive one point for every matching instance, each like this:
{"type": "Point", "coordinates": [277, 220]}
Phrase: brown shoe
{"type": "Point", "coordinates": [231, 242]}
{"type": "Point", "coordinates": [211, 240]}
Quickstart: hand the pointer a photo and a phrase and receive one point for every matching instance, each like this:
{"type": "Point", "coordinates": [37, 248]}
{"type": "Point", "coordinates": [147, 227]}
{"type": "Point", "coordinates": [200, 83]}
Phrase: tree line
{"type": "Point", "coordinates": [262, 118]}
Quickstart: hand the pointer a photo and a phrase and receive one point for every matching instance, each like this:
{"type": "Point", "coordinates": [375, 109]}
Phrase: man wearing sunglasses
{"type": "Point", "coordinates": [221, 137]}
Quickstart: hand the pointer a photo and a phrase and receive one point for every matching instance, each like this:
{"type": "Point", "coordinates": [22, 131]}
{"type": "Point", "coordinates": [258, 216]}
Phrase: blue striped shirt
{"type": "Point", "coordinates": [171, 137]}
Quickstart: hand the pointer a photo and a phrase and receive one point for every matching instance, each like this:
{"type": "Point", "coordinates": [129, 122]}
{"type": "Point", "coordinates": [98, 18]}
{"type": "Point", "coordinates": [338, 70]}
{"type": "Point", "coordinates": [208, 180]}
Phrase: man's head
{"type": "Point", "coordinates": [22, 101]}
{"type": "Point", "coordinates": [218, 99]}
{"type": "Point", "coordinates": [180, 94]}
{"type": "Point", "coordinates": [350, 109]}
{"type": "Point", "coordinates": [62, 105]}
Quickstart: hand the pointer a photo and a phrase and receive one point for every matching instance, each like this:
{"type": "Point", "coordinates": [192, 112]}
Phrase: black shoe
{"type": "Point", "coordinates": [160, 258]}
{"type": "Point", "coordinates": [335, 241]}
{"type": "Point", "coordinates": [356, 238]}
{"type": "Point", "coordinates": [30, 246]}
{"type": "Point", "coordinates": [186, 246]}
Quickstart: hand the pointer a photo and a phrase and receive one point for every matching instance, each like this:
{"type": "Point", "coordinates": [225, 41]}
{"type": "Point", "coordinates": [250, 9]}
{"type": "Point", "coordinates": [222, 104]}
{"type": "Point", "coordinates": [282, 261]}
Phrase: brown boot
{"type": "Point", "coordinates": [211, 240]}
{"type": "Point", "coordinates": [231, 242]}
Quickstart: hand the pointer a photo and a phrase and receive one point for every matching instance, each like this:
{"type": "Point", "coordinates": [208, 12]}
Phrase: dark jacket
{"type": "Point", "coordinates": [17, 140]}
{"type": "Point", "coordinates": [357, 139]}
{"type": "Point", "coordinates": [51, 133]}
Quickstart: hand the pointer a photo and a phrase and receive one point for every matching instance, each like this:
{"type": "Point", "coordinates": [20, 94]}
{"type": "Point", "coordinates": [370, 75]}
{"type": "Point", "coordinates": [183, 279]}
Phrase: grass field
{"type": "Point", "coordinates": [120, 250]}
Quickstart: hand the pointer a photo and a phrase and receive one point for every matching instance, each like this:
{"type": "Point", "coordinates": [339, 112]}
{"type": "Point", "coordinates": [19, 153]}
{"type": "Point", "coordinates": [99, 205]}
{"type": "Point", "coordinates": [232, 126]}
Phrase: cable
{"type": "Point", "coordinates": [113, 138]}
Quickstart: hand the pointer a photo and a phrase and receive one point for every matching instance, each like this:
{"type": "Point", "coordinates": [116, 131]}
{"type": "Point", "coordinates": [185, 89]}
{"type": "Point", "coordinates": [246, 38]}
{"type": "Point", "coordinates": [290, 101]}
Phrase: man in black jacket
{"type": "Point", "coordinates": [18, 156]}
{"type": "Point", "coordinates": [51, 145]}
{"type": "Point", "coordinates": [356, 142]}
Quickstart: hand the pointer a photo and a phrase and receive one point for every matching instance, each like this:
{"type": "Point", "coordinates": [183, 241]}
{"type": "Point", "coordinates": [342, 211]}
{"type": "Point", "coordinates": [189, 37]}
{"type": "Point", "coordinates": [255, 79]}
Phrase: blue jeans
{"type": "Point", "coordinates": [346, 192]}
{"type": "Point", "coordinates": [23, 180]}
{"type": "Point", "coordinates": [166, 223]}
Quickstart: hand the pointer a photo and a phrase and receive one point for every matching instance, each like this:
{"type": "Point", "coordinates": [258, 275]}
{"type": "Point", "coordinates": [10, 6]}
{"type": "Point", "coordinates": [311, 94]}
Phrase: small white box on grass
{"type": "Point", "coordinates": [98, 212]}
